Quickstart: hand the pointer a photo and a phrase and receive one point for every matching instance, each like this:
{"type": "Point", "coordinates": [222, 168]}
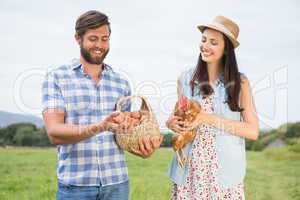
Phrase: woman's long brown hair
{"type": "Point", "coordinates": [232, 77]}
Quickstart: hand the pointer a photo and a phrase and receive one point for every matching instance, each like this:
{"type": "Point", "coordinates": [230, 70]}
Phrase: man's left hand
{"type": "Point", "coordinates": [147, 145]}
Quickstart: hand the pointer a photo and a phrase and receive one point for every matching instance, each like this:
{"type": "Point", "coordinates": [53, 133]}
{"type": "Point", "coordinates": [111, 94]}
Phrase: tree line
{"type": "Point", "coordinates": [27, 134]}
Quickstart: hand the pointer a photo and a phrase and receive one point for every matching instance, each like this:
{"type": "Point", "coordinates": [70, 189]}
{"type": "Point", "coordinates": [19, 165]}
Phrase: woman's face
{"type": "Point", "coordinates": [212, 46]}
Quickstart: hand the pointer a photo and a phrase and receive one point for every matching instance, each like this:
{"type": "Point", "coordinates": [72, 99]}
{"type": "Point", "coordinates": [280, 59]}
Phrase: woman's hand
{"type": "Point", "coordinates": [176, 124]}
{"type": "Point", "coordinates": [201, 118]}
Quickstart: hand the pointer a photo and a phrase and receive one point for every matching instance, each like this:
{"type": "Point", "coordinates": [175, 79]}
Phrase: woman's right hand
{"type": "Point", "coordinates": [176, 124]}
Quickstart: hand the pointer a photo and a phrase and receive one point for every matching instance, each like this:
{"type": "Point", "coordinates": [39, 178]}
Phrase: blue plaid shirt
{"type": "Point", "coordinates": [97, 160]}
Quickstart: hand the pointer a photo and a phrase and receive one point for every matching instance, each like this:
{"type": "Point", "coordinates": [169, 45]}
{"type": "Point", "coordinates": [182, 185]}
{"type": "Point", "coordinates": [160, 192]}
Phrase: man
{"type": "Point", "coordinates": [78, 107]}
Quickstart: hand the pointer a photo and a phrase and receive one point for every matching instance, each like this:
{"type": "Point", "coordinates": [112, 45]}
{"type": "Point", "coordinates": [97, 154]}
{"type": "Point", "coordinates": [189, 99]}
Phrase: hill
{"type": "Point", "coordinates": [286, 134]}
{"type": "Point", "coordinates": [7, 118]}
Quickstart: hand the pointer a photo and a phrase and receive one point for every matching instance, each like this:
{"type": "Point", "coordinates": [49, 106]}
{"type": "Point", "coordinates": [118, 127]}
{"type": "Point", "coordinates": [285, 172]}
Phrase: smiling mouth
{"type": "Point", "coordinates": [206, 54]}
{"type": "Point", "coordinates": [97, 52]}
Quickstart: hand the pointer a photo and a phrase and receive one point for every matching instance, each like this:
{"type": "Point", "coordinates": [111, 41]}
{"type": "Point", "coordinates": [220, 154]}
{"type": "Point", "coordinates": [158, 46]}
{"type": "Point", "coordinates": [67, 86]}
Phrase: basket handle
{"type": "Point", "coordinates": [145, 104]}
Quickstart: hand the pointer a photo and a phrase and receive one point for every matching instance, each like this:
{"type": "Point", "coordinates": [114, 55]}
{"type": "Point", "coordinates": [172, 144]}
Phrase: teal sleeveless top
{"type": "Point", "coordinates": [230, 148]}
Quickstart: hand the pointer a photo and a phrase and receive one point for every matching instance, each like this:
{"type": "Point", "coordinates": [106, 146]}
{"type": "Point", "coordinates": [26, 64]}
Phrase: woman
{"type": "Point", "coordinates": [216, 158]}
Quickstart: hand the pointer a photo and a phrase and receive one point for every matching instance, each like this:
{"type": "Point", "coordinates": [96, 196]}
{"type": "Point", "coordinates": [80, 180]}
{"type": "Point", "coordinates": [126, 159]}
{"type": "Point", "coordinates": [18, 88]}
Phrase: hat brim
{"type": "Point", "coordinates": [221, 29]}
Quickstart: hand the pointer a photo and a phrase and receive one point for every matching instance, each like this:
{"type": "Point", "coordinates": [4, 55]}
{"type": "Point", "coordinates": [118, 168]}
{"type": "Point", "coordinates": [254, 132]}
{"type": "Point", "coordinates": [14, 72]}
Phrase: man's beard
{"type": "Point", "coordinates": [88, 57]}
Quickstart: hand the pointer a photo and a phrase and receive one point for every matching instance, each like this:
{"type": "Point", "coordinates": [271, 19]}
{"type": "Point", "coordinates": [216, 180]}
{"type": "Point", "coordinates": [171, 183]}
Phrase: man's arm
{"type": "Point", "coordinates": [61, 133]}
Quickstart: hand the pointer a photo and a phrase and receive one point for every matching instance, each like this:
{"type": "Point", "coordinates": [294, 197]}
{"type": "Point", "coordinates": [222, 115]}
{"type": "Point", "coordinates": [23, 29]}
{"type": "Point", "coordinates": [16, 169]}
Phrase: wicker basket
{"type": "Point", "coordinates": [149, 126]}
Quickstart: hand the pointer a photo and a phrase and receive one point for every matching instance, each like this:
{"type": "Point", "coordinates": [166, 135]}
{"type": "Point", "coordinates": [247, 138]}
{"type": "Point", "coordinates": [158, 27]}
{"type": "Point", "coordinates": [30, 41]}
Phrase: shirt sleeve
{"type": "Point", "coordinates": [51, 93]}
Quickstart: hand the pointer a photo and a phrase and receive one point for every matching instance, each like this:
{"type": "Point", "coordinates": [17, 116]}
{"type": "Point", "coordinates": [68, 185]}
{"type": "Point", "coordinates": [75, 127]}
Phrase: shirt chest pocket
{"type": "Point", "coordinates": [78, 99]}
{"type": "Point", "coordinates": [107, 103]}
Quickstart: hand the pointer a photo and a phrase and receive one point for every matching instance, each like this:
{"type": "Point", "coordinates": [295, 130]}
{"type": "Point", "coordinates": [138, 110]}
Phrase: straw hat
{"type": "Point", "coordinates": [225, 26]}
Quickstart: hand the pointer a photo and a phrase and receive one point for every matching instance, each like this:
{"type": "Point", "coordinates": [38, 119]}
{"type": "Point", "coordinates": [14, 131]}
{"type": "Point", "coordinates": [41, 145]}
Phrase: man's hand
{"type": "Point", "coordinates": [148, 145]}
{"type": "Point", "coordinates": [104, 125]}
{"type": "Point", "coordinates": [112, 123]}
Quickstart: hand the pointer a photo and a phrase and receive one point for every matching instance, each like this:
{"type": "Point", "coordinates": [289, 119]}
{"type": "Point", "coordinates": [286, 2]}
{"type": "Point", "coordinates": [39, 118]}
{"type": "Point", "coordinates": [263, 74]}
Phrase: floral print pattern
{"type": "Point", "coordinates": [201, 183]}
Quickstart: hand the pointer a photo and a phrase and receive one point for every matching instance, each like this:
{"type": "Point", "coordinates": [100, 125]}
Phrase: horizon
{"type": "Point", "coordinates": [163, 129]}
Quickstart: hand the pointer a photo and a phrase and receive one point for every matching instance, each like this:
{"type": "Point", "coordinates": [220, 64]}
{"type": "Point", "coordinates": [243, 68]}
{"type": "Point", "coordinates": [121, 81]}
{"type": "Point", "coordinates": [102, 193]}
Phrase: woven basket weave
{"type": "Point", "coordinates": [149, 126]}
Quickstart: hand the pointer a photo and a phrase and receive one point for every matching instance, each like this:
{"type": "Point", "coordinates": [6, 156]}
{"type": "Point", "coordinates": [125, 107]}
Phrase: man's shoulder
{"type": "Point", "coordinates": [119, 76]}
{"type": "Point", "coordinates": [63, 69]}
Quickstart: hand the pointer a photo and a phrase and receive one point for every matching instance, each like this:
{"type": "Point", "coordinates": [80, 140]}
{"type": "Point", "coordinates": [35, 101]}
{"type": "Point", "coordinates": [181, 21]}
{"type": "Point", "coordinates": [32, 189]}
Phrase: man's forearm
{"type": "Point", "coordinates": [61, 133]}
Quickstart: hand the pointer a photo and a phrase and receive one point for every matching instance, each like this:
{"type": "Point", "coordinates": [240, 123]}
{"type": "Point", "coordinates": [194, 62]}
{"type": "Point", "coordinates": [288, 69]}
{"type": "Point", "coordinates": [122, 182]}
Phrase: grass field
{"type": "Point", "coordinates": [30, 173]}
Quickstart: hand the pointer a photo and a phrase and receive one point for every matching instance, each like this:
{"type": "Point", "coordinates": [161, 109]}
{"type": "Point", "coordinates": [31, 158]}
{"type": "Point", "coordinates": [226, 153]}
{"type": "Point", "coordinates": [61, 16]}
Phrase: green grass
{"type": "Point", "coordinates": [273, 174]}
{"type": "Point", "coordinates": [30, 173]}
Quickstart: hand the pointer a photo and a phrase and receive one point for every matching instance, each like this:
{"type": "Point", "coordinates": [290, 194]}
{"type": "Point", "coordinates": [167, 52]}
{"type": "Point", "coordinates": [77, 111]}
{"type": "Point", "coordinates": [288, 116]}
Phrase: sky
{"type": "Point", "coordinates": [152, 42]}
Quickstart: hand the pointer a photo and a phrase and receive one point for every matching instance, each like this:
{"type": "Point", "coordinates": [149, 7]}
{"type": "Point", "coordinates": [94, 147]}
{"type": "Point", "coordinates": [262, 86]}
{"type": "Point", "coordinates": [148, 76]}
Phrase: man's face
{"type": "Point", "coordinates": [94, 44]}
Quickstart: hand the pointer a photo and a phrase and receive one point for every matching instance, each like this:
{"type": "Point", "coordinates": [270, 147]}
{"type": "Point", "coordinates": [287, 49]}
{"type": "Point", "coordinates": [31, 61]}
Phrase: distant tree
{"type": "Point", "coordinates": [26, 136]}
{"type": "Point", "coordinates": [43, 139]}
{"type": "Point", "coordinates": [23, 134]}
{"type": "Point", "coordinates": [293, 130]}
{"type": "Point", "coordinates": [8, 133]}
{"type": "Point", "coordinates": [167, 142]}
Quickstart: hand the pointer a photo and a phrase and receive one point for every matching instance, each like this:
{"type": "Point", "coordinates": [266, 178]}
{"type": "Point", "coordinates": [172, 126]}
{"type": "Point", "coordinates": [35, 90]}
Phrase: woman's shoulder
{"type": "Point", "coordinates": [245, 86]}
{"type": "Point", "coordinates": [245, 83]}
{"type": "Point", "coordinates": [243, 77]}
{"type": "Point", "coordinates": [186, 75]}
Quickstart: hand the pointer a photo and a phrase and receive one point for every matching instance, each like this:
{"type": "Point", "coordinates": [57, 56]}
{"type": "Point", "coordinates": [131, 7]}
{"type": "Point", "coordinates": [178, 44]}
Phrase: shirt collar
{"type": "Point", "coordinates": [75, 65]}
{"type": "Point", "coordinates": [218, 81]}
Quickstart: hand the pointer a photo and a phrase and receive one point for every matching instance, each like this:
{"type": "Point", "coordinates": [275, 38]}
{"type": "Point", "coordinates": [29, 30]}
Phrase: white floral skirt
{"type": "Point", "coordinates": [201, 182]}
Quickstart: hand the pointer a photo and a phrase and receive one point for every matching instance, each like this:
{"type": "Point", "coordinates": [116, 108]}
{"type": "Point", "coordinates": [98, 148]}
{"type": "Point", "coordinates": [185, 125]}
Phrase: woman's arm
{"type": "Point", "coordinates": [249, 127]}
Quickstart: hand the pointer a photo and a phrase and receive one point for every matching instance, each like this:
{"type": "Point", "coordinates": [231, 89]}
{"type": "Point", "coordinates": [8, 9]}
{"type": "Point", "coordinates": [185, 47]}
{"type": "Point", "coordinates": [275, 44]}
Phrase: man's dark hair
{"type": "Point", "coordinates": [90, 20]}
